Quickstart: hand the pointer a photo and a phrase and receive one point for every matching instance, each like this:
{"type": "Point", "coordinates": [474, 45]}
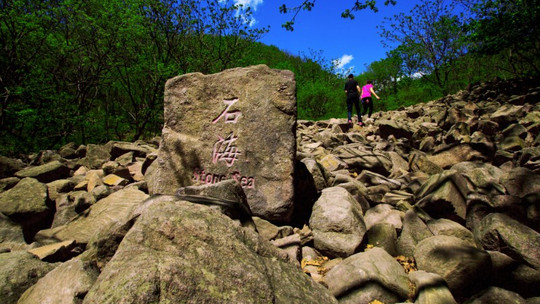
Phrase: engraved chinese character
{"type": "Point", "coordinates": [228, 116]}
{"type": "Point", "coordinates": [225, 150]}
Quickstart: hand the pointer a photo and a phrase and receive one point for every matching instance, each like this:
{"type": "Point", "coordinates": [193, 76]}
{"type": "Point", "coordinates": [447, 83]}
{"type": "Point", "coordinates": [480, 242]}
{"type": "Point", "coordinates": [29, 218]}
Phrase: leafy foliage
{"type": "Point", "coordinates": [93, 71]}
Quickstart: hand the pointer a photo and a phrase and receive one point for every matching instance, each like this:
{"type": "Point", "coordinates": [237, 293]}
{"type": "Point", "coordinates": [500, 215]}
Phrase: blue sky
{"type": "Point", "coordinates": [356, 42]}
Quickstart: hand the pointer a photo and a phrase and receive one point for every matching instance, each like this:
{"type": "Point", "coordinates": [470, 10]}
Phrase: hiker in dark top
{"type": "Point", "coordinates": [352, 89]}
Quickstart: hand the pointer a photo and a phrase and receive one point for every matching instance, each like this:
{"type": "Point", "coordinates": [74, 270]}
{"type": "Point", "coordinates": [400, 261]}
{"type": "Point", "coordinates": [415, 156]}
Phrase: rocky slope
{"type": "Point", "coordinates": [434, 203]}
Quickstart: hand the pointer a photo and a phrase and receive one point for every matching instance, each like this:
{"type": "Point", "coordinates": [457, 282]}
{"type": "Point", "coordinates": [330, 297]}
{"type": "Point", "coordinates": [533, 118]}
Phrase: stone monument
{"type": "Point", "coordinates": [238, 124]}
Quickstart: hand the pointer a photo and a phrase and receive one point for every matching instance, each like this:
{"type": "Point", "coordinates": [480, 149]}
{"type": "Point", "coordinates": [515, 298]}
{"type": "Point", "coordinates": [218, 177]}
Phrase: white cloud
{"type": "Point", "coordinates": [343, 61]}
{"type": "Point", "coordinates": [340, 65]}
{"type": "Point", "coordinates": [251, 3]}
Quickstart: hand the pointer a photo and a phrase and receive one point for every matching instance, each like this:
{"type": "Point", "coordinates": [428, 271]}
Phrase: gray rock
{"type": "Point", "coordinates": [337, 223]}
{"type": "Point", "coordinates": [515, 130]}
{"type": "Point", "coordinates": [484, 177]}
{"type": "Point", "coordinates": [119, 148]}
{"type": "Point", "coordinates": [70, 205]}
{"type": "Point", "coordinates": [46, 173]}
{"type": "Point", "coordinates": [367, 276]}
{"type": "Point", "coordinates": [226, 196]}
{"type": "Point", "coordinates": [521, 181]}
{"type": "Point", "coordinates": [358, 191]}
{"type": "Point", "coordinates": [430, 288]}
{"type": "Point", "coordinates": [183, 252]}
{"type": "Point", "coordinates": [317, 173]}
{"type": "Point", "coordinates": [8, 183]}
{"type": "Point", "coordinates": [530, 159]}
{"type": "Point", "coordinates": [358, 157]}
{"type": "Point", "coordinates": [383, 235]}
{"type": "Point", "coordinates": [452, 155]}
{"type": "Point", "coordinates": [331, 163]}
{"type": "Point", "coordinates": [212, 135]}
{"type": "Point", "coordinates": [372, 178]}
{"type": "Point", "coordinates": [508, 114]}
{"type": "Point", "coordinates": [395, 128]}
{"type": "Point", "coordinates": [444, 196]}
{"type": "Point", "coordinates": [104, 216]}
{"type": "Point", "coordinates": [414, 231]}
{"type": "Point", "coordinates": [512, 144]}
{"type": "Point", "coordinates": [497, 295]}
{"type": "Point", "coordinates": [20, 270]}
{"type": "Point", "coordinates": [8, 166]}
{"type": "Point", "coordinates": [383, 213]}
{"type": "Point", "coordinates": [95, 156]}
{"type": "Point", "coordinates": [68, 151]}
{"type": "Point", "coordinates": [461, 265]}
{"type": "Point", "coordinates": [419, 162]}
{"type": "Point", "coordinates": [514, 276]}
{"type": "Point", "coordinates": [499, 232]}
{"type": "Point", "coordinates": [27, 203]}
{"type": "Point", "coordinates": [67, 283]}
{"type": "Point", "coordinates": [11, 235]}
{"type": "Point", "coordinates": [488, 127]}
{"type": "Point", "coordinates": [56, 187]}
{"type": "Point", "coordinates": [451, 228]}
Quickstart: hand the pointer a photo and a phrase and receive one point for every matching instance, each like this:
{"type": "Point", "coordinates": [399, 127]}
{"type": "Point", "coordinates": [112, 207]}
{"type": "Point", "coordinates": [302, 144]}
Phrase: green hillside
{"type": "Point", "coordinates": [93, 71]}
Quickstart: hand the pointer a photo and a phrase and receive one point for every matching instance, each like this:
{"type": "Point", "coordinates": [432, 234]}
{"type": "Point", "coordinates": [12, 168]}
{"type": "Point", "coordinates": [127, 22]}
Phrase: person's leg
{"type": "Point", "coordinates": [364, 106]}
{"type": "Point", "coordinates": [349, 109]}
{"type": "Point", "coordinates": [370, 107]}
{"type": "Point", "coordinates": [358, 111]}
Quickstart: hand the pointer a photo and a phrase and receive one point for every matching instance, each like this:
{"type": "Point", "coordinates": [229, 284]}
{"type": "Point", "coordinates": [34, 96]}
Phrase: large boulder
{"type": "Point", "coordinates": [46, 173]}
{"type": "Point", "coordinates": [451, 228]}
{"type": "Point", "coordinates": [430, 288]}
{"type": "Point", "coordinates": [28, 204]}
{"type": "Point", "coordinates": [358, 157]}
{"type": "Point", "coordinates": [96, 156]}
{"type": "Point", "coordinates": [514, 275]}
{"type": "Point", "coordinates": [337, 223]}
{"type": "Point", "coordinates": [11, 235]}
{"type": "Point", "coordinates": [461, 265]}
{"type": "Point", "coordinates": [383, 213]}
{"type": "Point", "coordinates": [104, 216]}
{"type": "Point", "coordinates": [414, 231]}
{"type": "Point", "coordinates": [8, 166]}
{"type": "Point", "coordinates": [67, 283]}
{"type": "Point", "coordinates": [180, 252]}
{"type": "Point", "coordinates": [451, 155]}
{"type": "Point", "coordinates": [497, 295]}
{"type": "Point", "coordinates": [368, 276]}
{"type": "Point", "coordinates": [500, 232]}
{"type": "Point", "coordinates": [19, 270]}
{"type": "Point", "coordinates": [444, 196]}
{"type": "Point", "coordinates": [398, 129]}
{"type": "Point", "coordinates": [212, 132]}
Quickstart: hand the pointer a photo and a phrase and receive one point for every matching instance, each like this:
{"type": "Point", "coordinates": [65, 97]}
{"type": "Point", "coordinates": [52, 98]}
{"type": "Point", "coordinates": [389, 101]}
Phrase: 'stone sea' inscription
{"type": "Point", "coordinates": [201, 176]}
{"type": "Point", "coordinates": [225, 150]}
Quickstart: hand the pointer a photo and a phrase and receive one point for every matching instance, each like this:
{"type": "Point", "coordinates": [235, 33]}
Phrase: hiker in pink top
{"type": "Point", "coordinates": [367, 101]}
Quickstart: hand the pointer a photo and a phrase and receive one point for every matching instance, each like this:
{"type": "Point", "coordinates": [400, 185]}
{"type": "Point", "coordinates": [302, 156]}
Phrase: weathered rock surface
{"type": "Point", "coordinates": [181, 252]}
{"type": "Point", "coordinates": [214, 134]}
{"type": "Point", "coordinates": [461, 265]}
{"type": "Point", "coordinates": [369, 275]}
{"type": "Point", "coordinates": [76, 277]}
{"type": "Point", "coordinates": [19, 270]}
{"type": "Point", "coordinates": [337, 223]}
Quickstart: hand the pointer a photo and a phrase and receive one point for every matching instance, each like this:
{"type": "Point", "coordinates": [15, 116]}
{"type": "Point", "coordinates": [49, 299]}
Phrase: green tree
{"type": "Point", "coordinates": [92, 71]}
{"type": "Point", "coordinates": [509, 29]}
{"type": "Point", "coordinates": [308, 5]}
{"type": "Point", "coordinates": [432, 37]}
